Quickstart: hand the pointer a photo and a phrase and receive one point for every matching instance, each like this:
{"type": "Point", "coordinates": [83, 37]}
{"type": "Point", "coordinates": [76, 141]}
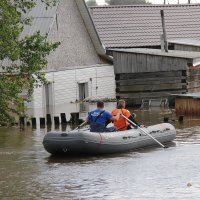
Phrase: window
{"type": "Point", "coordinates": [83, 91]}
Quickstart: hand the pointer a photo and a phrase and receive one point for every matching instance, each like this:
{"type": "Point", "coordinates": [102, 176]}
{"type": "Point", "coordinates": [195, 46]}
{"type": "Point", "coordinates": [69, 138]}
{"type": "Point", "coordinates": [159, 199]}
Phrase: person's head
{"type": "Point", "coordinates": [100, 104]}
{"type": "Point", "coordinates": [121, 104]}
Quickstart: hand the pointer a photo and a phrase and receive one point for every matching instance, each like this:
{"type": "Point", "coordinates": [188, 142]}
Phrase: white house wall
{"type": "Point", "coordinates": [76, 48]}
{"type": "Point", "coordinates": [37, 98]}
{"type": "Point", "coordinates": [65, 88]}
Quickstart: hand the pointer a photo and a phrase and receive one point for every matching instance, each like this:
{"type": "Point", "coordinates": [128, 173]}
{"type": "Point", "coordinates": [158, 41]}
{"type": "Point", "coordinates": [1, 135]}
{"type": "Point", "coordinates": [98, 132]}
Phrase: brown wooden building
{"type": "Point", "coordinates": [151, 73]}
{"type": "Point", "coordinates": [187, 104]}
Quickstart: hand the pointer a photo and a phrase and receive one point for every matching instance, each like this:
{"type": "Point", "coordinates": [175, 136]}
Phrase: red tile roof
{"type": "Point", "coordinates": [137, 26]}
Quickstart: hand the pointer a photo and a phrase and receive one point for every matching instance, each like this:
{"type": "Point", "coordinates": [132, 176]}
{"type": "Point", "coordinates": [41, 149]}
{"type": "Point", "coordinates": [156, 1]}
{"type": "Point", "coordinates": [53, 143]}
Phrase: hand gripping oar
{"type": "Point", "coordinates": [143, 131]}
{"type": "Point", "coordinates": [79, 126]}
{"type": "Point", "coordinates": [65, 133]}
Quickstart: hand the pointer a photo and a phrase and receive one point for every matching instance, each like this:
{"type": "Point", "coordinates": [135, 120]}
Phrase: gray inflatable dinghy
{"type": "Point", "coordinates": [82, 141]}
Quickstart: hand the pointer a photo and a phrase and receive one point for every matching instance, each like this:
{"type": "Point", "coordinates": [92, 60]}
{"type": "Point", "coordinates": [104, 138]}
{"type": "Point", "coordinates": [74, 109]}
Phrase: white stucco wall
{"type": "Point", "coordinates": [100, 79]}
{"type": "Point", "coordinates": [76, 48]}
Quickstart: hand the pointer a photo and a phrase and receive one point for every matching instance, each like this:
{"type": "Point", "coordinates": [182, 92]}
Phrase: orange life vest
{"type": "Point", "coordinates": [121, 124]}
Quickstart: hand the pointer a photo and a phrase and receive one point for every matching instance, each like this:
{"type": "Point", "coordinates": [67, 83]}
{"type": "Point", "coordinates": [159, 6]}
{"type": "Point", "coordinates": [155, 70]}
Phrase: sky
{"type": "Point", "coordinates": [101, 2]}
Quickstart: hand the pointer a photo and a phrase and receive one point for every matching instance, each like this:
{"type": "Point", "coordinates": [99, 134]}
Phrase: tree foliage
{"type": "Point", "coordinates": [125, 2]}
{"type": "Point", "coordinates": [22, 61]}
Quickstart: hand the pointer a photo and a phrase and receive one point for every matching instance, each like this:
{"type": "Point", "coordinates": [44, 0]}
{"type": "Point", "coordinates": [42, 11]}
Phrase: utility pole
{"type": "Point", "coordinates": [164, 35]}
{"type": "Point", "coordinates": [189, 1]}
{"type": "Point", "coordinates": [164, 1]}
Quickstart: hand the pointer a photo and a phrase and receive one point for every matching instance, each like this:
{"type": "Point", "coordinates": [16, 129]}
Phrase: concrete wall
{"type": "Point", "coordinates": [76, 47]}
{"type": "Point", "coordinates": [65, 88]}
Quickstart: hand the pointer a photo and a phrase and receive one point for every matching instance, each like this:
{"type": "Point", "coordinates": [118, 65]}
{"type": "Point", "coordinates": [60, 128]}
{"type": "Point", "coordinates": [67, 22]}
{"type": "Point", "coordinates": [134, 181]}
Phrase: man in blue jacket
{"type": "Point", "coordinates": [99, 118]}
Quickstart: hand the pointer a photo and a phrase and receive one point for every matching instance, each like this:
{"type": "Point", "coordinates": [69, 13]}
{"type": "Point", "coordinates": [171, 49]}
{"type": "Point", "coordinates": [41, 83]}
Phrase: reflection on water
{"type": "Point", "coordinates": [27, 171]}
{"type": "Point", "coordinates": [148, 117]}
{"type": "Point", "coordinates": [67, 108]}
{"type": "Point", "coordinates": [154, 115]}
{"type": "Point", "coordinates": [189, 135]}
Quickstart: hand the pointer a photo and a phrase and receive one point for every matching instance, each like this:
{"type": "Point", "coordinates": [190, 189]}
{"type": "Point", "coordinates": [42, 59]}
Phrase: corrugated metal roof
{"type": "Point", "coordinates": [41, 19]}
{"type": "Point", "coordinates": [136, 26]}
{"type": "Point", "coordinates": [43, 25]}
{"type": "Point", "coordinates": [41, 10]}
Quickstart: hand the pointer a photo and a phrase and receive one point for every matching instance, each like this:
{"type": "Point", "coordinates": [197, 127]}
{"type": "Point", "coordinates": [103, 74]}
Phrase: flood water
{"type": "Point", "coordinates": [27, 171]}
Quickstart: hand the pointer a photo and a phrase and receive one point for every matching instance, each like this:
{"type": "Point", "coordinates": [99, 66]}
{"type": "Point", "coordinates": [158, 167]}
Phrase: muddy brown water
{"type": "Point", "coordinates": [27, 171]}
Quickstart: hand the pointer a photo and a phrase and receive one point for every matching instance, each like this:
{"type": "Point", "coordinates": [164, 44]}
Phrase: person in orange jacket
{"type": "Point", "coordinates": [122, 124]}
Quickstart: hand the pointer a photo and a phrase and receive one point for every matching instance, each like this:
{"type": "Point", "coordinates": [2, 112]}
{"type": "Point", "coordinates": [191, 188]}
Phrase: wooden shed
{"type": "Point", "coordinates": [151, 73]}
{"type": "Point", "coordinates": [187, 104]}
{"type": "Point", "coordinates": [185, 44]}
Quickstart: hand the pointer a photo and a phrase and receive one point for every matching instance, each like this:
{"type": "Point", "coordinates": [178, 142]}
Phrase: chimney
{"type": "Point", "coordinates": [164, 35]}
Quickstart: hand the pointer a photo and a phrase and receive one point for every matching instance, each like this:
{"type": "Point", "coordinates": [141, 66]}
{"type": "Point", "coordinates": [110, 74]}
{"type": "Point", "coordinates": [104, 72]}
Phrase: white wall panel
{"type": "Point", "coordinates": [38, 99]}
{"type": "Point", "coordinates": [100, 79]}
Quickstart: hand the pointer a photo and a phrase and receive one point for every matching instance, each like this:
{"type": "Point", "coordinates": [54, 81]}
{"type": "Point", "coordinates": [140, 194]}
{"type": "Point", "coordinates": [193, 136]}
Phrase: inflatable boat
{"type": "Point", "coordinates": [82, 141]}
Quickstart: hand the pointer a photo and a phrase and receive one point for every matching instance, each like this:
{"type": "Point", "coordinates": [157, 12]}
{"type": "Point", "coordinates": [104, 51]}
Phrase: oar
{"type": "Point", "coordinates": [143, 131]}
{"type": "Point", "coordinates": [79, 126]}
{"type": "Point", "coordinates": [65, 134]}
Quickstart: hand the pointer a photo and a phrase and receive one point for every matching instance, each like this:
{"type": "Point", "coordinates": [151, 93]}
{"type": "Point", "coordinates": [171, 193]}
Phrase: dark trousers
{"type": "Point", "coordinates": [95, 127]}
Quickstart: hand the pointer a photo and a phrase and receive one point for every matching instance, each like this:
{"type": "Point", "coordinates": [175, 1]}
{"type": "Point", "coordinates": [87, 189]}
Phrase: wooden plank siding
{"type": "Point", "coordinates": [126, 62]}
{"type": "Point", "coordinates": [137, 86]}
{"type": "Point", "coordinates": [183, 47]}
{"type": "Point", "coordinates": [187, 106]}
{"type": "Point", "coordinates": [193, 79]}
{"type": "Point", "coordinates": [145, 75]}
{"type": "Point", "coordinates": [137, 96]}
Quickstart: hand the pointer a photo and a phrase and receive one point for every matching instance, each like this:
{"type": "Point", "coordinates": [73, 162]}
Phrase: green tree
{"type": "Point", "coordinates": [22, 61]}
{"type": "Point", "coordinates": [125, 2]}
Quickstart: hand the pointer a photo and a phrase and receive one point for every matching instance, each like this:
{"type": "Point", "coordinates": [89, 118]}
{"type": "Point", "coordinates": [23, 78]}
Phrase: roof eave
{"type": "Point", "coordinates": [91, 28]}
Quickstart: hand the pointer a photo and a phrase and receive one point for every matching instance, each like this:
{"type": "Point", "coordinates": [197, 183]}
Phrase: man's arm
{"type": "Point", "coordinates": [112, 118]}
{"type": "Point", "coordinates": [115, 118]}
